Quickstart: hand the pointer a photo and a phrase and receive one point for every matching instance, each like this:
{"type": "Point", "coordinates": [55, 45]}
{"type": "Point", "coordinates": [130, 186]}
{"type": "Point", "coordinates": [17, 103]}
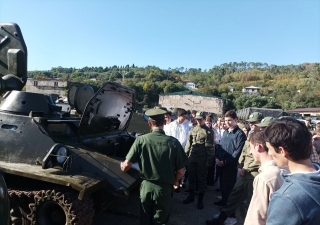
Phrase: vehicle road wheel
{"type": "Point", "coordinates": [48, 207]}
{"type": "Point", "coordinates": [62, 209]}
{"type": "Point", "coordinates": [50, 212]}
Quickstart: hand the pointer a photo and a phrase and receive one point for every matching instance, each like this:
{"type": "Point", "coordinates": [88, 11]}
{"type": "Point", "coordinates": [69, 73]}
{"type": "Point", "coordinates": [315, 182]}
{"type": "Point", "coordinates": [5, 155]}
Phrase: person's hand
{"type": "Point", "coordinates": [241, 172]}
{"type": "Point", "coordinates": [219, 163]}
{"type": "Point", "coordinates": [176, 185]}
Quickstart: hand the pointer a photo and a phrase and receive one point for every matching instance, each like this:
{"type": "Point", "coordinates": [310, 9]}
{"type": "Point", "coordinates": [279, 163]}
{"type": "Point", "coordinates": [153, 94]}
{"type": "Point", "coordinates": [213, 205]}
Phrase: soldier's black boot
{"type": "Point", "coordinates": [189, 199]}
{"type": "Point", "coordinates": [200, 201]}
{"type": "Point", "coordinates": [219, 221]}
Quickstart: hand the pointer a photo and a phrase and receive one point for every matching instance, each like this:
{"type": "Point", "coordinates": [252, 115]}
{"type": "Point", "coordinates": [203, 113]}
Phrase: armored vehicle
{"type": "Point", "coordinates": [59, 168]}
{"type": "Point", "coordinates": [4, 203]}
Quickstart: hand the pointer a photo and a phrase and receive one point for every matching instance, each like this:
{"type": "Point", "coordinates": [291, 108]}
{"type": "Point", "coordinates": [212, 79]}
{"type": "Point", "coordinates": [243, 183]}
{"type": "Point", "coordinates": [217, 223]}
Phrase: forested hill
{"type": "Point", "coordinates": [286, 87]}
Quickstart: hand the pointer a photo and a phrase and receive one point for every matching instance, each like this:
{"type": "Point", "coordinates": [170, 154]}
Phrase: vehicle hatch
{"type": "Point", "coordinates": [108, 112]}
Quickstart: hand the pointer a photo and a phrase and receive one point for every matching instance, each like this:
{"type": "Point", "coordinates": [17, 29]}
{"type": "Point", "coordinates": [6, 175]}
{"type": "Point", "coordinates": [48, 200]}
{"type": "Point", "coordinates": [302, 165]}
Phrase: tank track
{"type": "Point", "coordinates": [78, 212]}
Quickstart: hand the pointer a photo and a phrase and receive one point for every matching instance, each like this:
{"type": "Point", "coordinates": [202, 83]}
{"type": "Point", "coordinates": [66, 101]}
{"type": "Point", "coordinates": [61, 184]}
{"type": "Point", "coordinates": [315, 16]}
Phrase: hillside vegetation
{"type": "Point", "coordinates": [286, 87]}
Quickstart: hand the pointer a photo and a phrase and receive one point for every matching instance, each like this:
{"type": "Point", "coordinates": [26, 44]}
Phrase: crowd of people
{"type": "Point", "coordinates": [269, 164]}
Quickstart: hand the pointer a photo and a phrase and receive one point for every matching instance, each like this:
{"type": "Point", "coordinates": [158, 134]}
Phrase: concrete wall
{"type": "Point", "coordinates": [47, 86]}
{"type": "Point", "coordinates": [190, 102]}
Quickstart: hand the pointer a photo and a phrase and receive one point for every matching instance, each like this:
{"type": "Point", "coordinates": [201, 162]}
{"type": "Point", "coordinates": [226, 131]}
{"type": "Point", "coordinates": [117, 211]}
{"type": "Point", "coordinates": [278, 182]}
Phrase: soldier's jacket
{"type": "Point", "coordinates": [200, 143]}
{"type": "Point", "coordinates": [247, 162]}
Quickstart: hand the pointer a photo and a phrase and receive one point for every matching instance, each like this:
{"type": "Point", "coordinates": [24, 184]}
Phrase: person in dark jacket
{"type": "Point", "coordinates": [298, 200]}
{"type": "Point", "coordinates": [228, 154]}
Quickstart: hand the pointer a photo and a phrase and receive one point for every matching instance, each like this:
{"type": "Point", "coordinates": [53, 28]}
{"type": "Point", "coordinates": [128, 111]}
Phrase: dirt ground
{"type": "Point", "coordinates": [180, 214]}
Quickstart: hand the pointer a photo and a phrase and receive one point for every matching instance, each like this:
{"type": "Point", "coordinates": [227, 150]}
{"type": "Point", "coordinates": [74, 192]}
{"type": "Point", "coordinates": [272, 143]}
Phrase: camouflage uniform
{"type": "Point", "coordinates": [200, 149]}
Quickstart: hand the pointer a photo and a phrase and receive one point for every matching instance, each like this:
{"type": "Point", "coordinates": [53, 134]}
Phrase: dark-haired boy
{"type": "Point", "coordinates": [265, 183]}
{"type": "Point", "coordinates": [228, 154]}
{"type": "Point", "coordinates": [178, 129]}
{"type": "Point", "coordinates": [298, 200]}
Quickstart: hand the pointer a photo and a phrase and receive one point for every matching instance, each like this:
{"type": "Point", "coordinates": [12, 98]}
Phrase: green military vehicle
{"type": "Point", "coordinates": [59, 168]}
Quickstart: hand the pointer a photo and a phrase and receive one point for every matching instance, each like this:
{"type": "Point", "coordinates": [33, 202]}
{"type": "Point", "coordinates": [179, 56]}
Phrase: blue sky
{"type": "Point", "coordinates": [166, 33]}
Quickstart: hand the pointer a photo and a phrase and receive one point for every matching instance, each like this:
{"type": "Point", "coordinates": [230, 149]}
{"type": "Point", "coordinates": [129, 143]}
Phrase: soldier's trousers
{"type": "Point", "coordinates": [241, 191]}
{"type": "Point", "coordinates": [211, 172]}
{"type": "Point", "coordinates": [197, 169]}
{"type": "Point", "coordinates": [155, 204]}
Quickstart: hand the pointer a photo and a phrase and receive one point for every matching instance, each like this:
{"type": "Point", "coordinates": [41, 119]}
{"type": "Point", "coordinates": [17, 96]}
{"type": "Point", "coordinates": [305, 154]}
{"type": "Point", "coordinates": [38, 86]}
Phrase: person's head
{"type": "Point", "coordinates": [200, 117]}
{"type": "Point", "coordinates": [265, 122]}
{"type": "Point", "coordinates": [156, 117]}
{"type": "Point", "coordinates": [223, 124]}
{"type": "Point", "coordinates": [211, 116]}
{"type": "Point", "coordinates": [316, 141]}
{"type": "Point", "coordinates": [288, 140]}
{"type": "Point", "coordinates": [192, 118]}
{"type": "Point", "coordinates": [257, 145]}
{"type": "Point", "coordinates": [317, 128]}
{"type": "Point", "coordinates": [219, 121]}
{"type": "Point", "coordinates": [231, 119]}
{"type": "Point", "coordinates": [182, 115]}
{"type": "Point", "coordinates": [168, 117]}
{"type": "Point", "coordinates": [254, 119]}
{"type": "Point", "coordinates": [246, 129]}
{"type": "Point", "coordinates": [208, 121]}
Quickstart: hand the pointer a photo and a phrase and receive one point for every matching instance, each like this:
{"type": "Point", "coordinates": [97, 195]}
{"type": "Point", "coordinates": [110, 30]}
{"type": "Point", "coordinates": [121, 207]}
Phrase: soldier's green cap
{"type": "Point", "coordinates": [155, 114]}
{"type": "Point", "coordinates": [160, 107]}
{"type": "Point", "coordinates": [200, 115]}
{"type": "Point", "coordinates": [266, 121]}
{"type": "Point", "coordinates": [175, 110]}
{"type": "Point", "coordinates": [256, 116]}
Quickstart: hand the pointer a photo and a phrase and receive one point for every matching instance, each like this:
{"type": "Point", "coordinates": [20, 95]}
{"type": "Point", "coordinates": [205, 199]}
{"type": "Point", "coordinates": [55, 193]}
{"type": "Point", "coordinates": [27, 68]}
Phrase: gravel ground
{"type": "Point", "coordinates": [180, 214]}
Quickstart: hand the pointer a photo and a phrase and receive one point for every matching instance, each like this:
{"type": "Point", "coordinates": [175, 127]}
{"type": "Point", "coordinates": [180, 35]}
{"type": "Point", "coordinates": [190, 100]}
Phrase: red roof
{"type": "Point", "coordinates": [187, 81]}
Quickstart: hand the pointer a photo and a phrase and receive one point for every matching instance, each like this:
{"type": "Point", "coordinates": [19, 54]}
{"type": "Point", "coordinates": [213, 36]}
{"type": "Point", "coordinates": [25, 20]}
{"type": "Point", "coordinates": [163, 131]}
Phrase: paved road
{"type": "Point", "coordinates": [128, 214]}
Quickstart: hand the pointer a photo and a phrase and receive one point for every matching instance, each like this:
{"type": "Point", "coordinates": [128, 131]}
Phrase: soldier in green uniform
{"type": "Point", "coordinates": [200, 149]}
{"type": "Point", "coordinates": [161, 160]}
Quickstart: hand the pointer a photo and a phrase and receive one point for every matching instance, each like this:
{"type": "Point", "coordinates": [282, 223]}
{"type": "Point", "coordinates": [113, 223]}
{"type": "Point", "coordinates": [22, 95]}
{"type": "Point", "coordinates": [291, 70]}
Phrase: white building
{"type": "Point", "coordinates": [190, 100]}
{"type": "Point", "coordinates": [50, 86]}
{"type": "Point", "coordinates": [251, 90]}
{"type": "Point", "coordinates": [189, 84]}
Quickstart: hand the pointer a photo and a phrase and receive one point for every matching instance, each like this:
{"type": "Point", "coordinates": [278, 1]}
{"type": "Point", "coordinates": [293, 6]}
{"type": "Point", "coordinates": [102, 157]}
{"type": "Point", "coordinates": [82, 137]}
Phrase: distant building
{"type": "Point", "coordinates": [306, 112]}
{"type": "Point", "coordinates": [52, 86]}
{"type": "Point", "coordinates": [189, 84]}
{"type": "Point", "coordinates": [191, 100]}
{"type": "Point", "coordinates": [270, 90]}
{"type": "Point", "coordinates": [251, 90]}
